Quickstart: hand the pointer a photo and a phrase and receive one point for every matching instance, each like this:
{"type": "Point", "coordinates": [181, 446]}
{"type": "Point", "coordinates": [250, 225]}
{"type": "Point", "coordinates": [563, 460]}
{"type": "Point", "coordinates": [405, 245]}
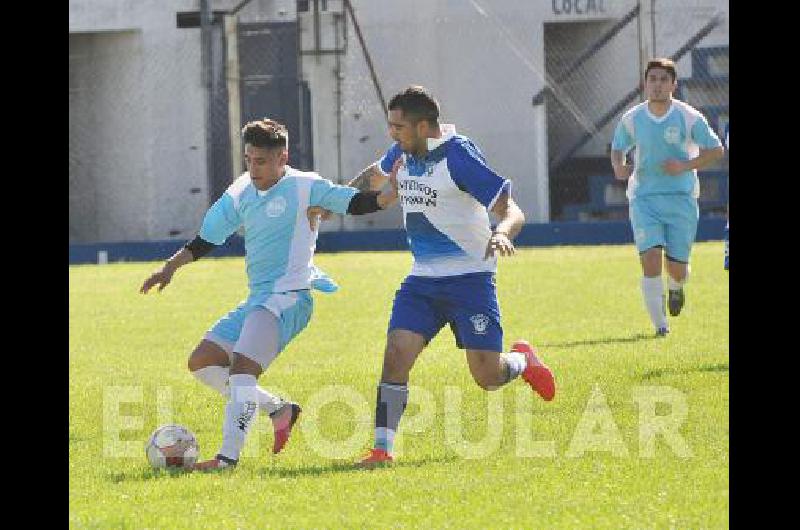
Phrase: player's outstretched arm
{"type": "Point", "coordinates": [511, 220]}
{"type": "Point", "coordinates": [370, 178]}
{"type": "Point", "coordinates": [192, 251]}
{"type": "Point", "coordinates": [365, 201]}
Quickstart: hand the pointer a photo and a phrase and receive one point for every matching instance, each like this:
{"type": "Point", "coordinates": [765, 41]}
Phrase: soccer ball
{"type": "Point", "coordinates": [173, 447]}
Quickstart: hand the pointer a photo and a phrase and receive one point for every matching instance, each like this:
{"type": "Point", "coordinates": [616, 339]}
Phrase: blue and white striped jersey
{"type": "Point", "coordinates": [445, 197]}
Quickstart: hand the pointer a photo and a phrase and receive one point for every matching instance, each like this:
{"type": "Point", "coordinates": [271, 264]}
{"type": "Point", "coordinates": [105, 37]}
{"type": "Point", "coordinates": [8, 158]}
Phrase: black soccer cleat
{"type": "Point", "coordinates": [675, 301]}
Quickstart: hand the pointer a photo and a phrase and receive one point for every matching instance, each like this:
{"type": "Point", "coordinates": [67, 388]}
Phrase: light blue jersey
{"type": "Point", "coordinates": [678, 134]}
{"type": "Point", "coordinates": [279, 244]}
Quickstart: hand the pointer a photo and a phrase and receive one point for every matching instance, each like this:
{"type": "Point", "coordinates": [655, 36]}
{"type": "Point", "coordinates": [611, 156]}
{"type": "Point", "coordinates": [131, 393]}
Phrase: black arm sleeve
{"type": "Point", "coordinates": [199, 247]}
{"type": "Point", "coordinates": [364, 202]}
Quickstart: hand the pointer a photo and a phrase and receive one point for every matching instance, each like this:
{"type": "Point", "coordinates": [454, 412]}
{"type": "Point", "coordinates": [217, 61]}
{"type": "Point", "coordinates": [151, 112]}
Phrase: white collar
{"type": "Point", "coordinates": [448, 130]}
{"type": "Point", "coordinates": [663, 117]}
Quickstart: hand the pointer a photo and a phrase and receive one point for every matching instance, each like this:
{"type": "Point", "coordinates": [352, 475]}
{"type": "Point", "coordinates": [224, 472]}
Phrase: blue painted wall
{"type": "Point", "coordinates": [532, 235]}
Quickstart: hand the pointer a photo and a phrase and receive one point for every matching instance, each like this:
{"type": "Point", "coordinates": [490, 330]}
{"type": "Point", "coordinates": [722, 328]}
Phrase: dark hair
{"type": "Point", "coordinates": [662, 62]}
{"type": "Point", "coordinates": [416, 105]}
{"type": "Point", "coordinates": [266, 133]}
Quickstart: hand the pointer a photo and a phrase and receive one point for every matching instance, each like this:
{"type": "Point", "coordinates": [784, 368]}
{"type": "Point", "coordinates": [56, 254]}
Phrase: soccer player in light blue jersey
{"type": "Point", "coordinates": [727, 222]}
{"type": "Point", "coordinates": [671, 140]}
{"type": "Point", "coordinates": [269, 201]}
{"type": "Point", "coordinates": [446, 190]}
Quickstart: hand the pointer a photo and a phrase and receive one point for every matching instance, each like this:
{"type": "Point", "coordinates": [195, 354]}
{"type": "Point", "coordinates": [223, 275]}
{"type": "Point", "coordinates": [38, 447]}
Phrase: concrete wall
{"type": "Point", "coordinates": [677, 20]}
{"type": "Point", "coordinates": [583, 97]}
{"type": "Point", "coordinates": [483, 65]}
{"type": "Point", "coordinates": [484, 61]}
{"type": "Point", "coordinates": [106, 163]}
{"type": "Point", "coordinates": [137, 155]}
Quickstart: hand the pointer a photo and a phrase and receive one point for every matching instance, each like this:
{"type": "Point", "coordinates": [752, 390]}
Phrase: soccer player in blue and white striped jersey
{"type": "Point", "coordinates": [671, 140]}
{"type": "Point", "coordinates": [446, 190]}
{"type": "Point", "coordinates": [269, 201]}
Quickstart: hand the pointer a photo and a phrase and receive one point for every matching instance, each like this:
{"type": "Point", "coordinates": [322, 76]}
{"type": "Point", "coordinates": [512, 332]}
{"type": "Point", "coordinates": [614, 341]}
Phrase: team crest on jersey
{"type": "Point", "coordinates": [276, 207]}
{"type": "Point", "coordinates": [479, 322]}
{"type": "Point", "coordinates": [672, 135]}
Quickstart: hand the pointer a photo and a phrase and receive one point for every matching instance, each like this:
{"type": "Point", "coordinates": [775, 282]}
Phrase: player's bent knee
{"type": "Point", "coordinates": [245, 365]}
{"type": "Point", "coordinates": [193, 364]}
{"type": "Point", "coordinates": [197, 361]}
{"type": "Point", "coordinates": [207, 354]}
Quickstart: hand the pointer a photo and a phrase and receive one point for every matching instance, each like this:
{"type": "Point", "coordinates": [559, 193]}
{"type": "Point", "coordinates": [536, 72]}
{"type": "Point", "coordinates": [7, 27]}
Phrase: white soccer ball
{"type": "Point", "coordinates": [173, 447]}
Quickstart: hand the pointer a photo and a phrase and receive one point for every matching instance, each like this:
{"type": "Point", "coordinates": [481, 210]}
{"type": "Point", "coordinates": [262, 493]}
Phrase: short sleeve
{"type": "Point", "coordinates": [470, 173]}
{"type": "Point", "coordinates": [622, 139]}
{"type": "Point", "coordinates": [387, 161]}
{"type": "Point", "coordinates": [220, 221]}
{"type": "Point", "coordinates": [331, 196]}
{"type": "Point", "coordinates": [703, 135]}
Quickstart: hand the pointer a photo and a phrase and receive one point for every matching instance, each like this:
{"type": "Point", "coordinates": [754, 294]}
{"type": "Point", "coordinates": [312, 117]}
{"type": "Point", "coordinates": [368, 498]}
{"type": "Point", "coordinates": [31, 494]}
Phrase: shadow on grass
{"type": "Point", "coordinates": [346, 467]}
{"type": "Point", "coordinates": [651, 374]}
{"type": "Point", "coordinates": [146, 474]}
{"type": "Point", "coordinates": [594, 342]}
{"type": "Point", "coordinates": [280, 472]}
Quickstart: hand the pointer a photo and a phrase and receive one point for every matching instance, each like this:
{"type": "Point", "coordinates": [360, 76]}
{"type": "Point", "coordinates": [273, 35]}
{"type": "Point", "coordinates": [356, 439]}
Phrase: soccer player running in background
{"type": "Point", "coordinates": [727, 221]}
{"type": "Point", "coordinates": [671, 141]}
{"type": "Point", "coordinates": [446, 191]}
{"type": "Point", "coordinates": [269, 200]}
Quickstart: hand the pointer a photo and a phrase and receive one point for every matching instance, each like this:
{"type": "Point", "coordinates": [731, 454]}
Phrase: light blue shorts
{"type": "Point", "coordinates": [292, 309]}
{"type": "Point", "coordinates": [669, 221]}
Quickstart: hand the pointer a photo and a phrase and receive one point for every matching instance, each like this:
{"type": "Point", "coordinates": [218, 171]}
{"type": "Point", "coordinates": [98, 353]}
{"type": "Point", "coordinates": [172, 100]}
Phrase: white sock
{"type": "Point", "coordinates": [674, 285]}
{"type": "Point", "coordinates": [240, 414]}
{"type": "Point", "coordinates": [516, 362]}
{"type": "Point", "coordinates": [653, 294]}
{"type": "Point", "coordinates": [214, 376]}
{"type": "Point", "coordinates": [217, 378]}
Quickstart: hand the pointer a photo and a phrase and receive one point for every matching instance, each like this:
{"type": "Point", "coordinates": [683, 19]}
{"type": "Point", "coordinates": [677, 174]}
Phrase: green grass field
{"type": "Point", "coordinates": [583, 460]}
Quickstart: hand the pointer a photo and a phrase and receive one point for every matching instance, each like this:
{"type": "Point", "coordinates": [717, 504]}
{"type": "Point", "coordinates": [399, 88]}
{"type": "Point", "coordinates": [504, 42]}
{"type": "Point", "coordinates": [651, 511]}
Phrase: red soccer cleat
{"type": "Point", "coordinates": [282, 422]}
{"type": "Point", "coordinates": [376, 457]}
{"type": "Point", "coordinates": [536, 373]}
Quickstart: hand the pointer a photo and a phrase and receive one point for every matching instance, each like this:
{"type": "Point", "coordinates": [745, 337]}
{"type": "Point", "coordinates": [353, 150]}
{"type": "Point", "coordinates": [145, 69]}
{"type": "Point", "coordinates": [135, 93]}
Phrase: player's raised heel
{"type": "Point", "coordinates": [282, 422]}
{"type": "Point", "coordinates": [375, 458]}
{"type": "Point", "coordinates": [536, 373]}
{"type": "Point", "coordinates": [675, 301]}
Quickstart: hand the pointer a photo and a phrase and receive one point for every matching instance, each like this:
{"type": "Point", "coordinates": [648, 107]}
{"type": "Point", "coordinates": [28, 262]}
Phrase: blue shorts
{"type": "Point", "coordinates": [292, 309]}
{"type": "Point", "coordinates": [669, 221]}
{"type": "Point", "coordinates": [467, 302]}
